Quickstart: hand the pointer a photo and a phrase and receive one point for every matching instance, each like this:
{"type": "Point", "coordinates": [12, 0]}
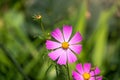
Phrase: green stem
{"type": "Point", "coordinates": [68, 71]}
{"type": "Point", "coordinates": [42, 27]}
{"type": "Point", "coordinates": [56, 70]}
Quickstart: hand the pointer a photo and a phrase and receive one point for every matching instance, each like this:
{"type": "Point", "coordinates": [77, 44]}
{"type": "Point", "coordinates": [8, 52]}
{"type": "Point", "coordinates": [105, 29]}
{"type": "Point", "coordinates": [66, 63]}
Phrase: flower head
{"type": "Point", "coordinates": [64, 47]}
{"type": "Point", "coordinates": [85, 73]}
{"type": "Point", "coordinates": [37, 17]}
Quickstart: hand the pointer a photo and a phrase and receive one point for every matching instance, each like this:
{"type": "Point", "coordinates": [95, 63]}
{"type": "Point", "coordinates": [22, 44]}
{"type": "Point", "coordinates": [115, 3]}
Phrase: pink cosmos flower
{"type": "Point", "coordinates": [65, 46]}
{"type": "Point", "coordinates": [85, 72]}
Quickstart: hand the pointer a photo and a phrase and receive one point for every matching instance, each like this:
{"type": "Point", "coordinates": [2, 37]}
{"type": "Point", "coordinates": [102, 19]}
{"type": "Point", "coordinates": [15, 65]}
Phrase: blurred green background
{"type": "Point", "coordinates": [23, 55]}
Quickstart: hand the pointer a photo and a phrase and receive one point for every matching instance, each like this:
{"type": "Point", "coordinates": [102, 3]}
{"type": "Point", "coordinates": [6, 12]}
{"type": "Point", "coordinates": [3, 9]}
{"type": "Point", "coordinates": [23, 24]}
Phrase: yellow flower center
{"type": "Point", "coordinates": [65, 45]}
{"type": "Point", "coordinates": [86, 76]}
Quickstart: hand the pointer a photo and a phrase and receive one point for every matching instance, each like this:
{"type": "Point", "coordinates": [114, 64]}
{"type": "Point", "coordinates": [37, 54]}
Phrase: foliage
{"type": "Point", "coordinates": [22, 41]}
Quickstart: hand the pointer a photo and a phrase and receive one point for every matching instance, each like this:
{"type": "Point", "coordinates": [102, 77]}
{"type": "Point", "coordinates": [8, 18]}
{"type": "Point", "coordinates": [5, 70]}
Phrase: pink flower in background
{"type": "Point", "coordinates": [64, 47]}
{"type": "Point", "coordinates": [85, 73]}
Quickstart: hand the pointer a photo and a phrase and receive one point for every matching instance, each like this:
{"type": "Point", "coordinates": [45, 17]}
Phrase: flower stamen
{"type": "Point", "coordinates": [65, 45]}
{"type": "Point", "coordinates": [86, 76]}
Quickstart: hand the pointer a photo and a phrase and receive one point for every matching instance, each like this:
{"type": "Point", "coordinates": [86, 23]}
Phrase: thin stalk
{"type": "Point", "coordinates": [48, 69]}
{"type": "Point", "coordinates": [68, 71]}
{"type": "Point", "coordinates": [42, 27]}
{"type": "Point", "coordinates": [56, 68]}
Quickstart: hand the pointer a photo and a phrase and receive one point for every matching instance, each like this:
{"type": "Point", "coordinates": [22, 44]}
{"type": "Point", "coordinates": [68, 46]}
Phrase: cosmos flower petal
{"type": "Point", "coordinates": [99, 77]}
{"type": "Point", "coordinates": [76, 48]}
{"type": "Point", "coordinates": [79, 68]}
{"type": "Point", "coordinates": [67, 31]}
{"type": "Point", "coordinates": [77, 76]}
{"type": "Point", "coordinates": [52, 45]}
{"type": "Point", "coordinates": [92, 78]}
{"type": "Point", "coordinates": [96, 78]}
{"type": "Point", "coordinates": [63, 58]}
{"type": "Point", "coordinates": [87, 67]}
{"type": "Point", "coordinates": [97, 71]}
{"type": "Point", "coordinates": [76, 38]}
{"type": "Point", "coordinates": [71, 56]}
{"type": "Point", "coordinates": [92, 73]}
{"type": "Point", "coordinates": [57, 34]}
{"type": "Point", "coordinates": [55, 54]}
